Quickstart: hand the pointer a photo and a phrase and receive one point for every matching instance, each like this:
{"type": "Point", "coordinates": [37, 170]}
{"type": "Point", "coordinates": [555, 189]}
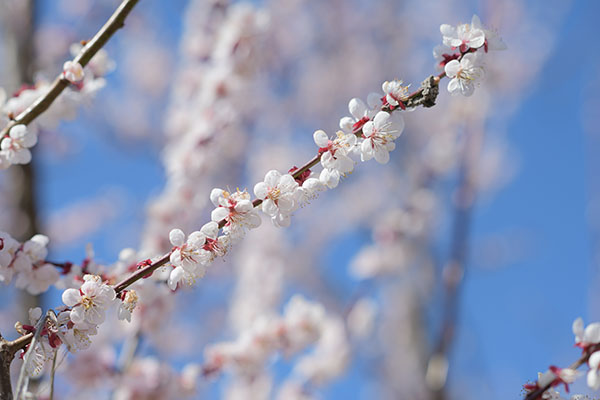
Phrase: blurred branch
{"type": "Point", "coordinates": [116, 21]}
{"type": "Point", "coordinates": [454, 270]}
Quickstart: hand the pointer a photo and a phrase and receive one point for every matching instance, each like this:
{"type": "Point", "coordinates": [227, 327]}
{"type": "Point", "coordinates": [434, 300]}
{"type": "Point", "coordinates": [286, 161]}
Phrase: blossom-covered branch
{"type": "Point", "coordinates": [370, 132]}
{"type": "Point", "coordinates": [15, 138]}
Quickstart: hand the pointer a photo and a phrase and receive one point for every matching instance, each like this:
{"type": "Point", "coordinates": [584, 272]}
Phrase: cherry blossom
{"type": "Point", "coordinates": [464, 74]}
{"type": "Point", "coordinates": [90, 302]}
{"type": "Point", "coordinates": [236, 209]}
{"type": "Point", "coordinates": [279, 196]}
{"type": "Point", "coordinates": [464, 36]}
{"type": "Point", "coordinates": [73, 71]}
{"type": "Point", "coordinates": [360, 112]}
{"type": "Point", "coordinates": [395, 93]}
{"type": "Point", "coordinates": [334, 156]}
{"type": "Point", "coordinates": [15, 147]}
{"type": "Point", "coordinates": [593, 376]}
{"type": "Point", "coordinates": [380, 134]}
{"type": "Point", "coordinates": [588, 336]}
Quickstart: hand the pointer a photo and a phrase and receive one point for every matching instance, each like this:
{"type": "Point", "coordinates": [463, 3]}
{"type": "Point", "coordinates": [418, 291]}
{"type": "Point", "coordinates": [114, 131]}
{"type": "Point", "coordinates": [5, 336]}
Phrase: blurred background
{"type": "Point", "coordinates": [457, 269]}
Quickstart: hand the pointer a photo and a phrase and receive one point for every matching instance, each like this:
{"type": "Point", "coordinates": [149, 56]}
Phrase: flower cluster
{"type": "Point", "coordinates": [459, 55]}
{"type": "Point", "coordinates": [15, 145]}
{"type": "Point", "coordinates": [301, 325]}
{"type": "Point", "coordinates": [26, 262]}
{"type": "Point", "coordinates": [588, 339]}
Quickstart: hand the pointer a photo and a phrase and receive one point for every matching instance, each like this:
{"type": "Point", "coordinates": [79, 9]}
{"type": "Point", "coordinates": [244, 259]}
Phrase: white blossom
{"type": "Point", "coordinates": [593, 376]}
{"type": "Point", "coordinates": [89, 303]}
{"type": "Point", "coordinates": [334, 156]}
{"type": "Point", "coordinates": [463, 36]}
{"type": "Point", "coordinates": [279, 196]}
{"type": "Point", "coordinates": [73, 71]}
{"type": "Point", "coordinates": [15, 147]}
{"type": "Point", "coordinates": [396, 93]}
{"type": "Point", "coordinates": [463, 75]}
{"type": "Point", "coordinates": [588, 336]}
{"type": "Point", "coordinates": [380, 134]}
{"type": "Point", "coordinates": [236, 209]}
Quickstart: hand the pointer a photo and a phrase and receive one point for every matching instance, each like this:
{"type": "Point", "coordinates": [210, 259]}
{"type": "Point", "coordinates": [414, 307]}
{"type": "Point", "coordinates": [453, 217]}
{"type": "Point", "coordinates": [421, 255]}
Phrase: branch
{"type": "Point", "coordinates": [115, 22]}
{"type": "Point", "coordinates": [537, 394]}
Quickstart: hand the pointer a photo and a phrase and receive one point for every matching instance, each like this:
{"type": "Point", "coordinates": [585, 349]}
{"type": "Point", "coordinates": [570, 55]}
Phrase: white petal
{"type": "Point", "coordinates": [219, 213]}
{"type": "Point", "coordinates": [451, 68]}
{"type": "Point", "coordinates": [177, 237]}
{"type": "Point", "coordinates": [594, 360]}
{"type": "Point", "coordinates": [260, 190]}
{"type": "Point", "coordinates": [215, 195]}
{"type": "Point", "coordinates": [272, 178]}
{"type": "Point", "coordinates": [71, 297]}
{"type": "Point", "coordinates": [210, 229]}
{"type": "Point", "coordinates": [321, 138]}
{"type": "Point", "coordinates": [357, 108]}
{"type": "Point", "coordinates": [454, 86]}
{"type": "Point", "coordinates": [346, 124]}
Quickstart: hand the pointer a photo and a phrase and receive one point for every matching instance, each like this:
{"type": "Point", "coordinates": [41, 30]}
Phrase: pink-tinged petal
{"type": "Point", "coordinates": [219, 213]}
{"type": "Point", "coordinates": [357, 108]}
{"type": "Point", "coordinates": [321, 139]}
{"type": "Point", "coordinates": [71, 297]}
{"type": "Point", "coordinates": [77, 315]}
{"type": "Point", "coordinates": [23, 156]}
{"type": "Point", "coordinates": [260, 190]}
{"type": "Point", "coordinates": [177, 237]}
{"type": "Point", "coordinates": [272, 178]}
{"type": "Point", "coordinates": [452, 68]}
{"type": "Point", "coordinates": [215, 195]}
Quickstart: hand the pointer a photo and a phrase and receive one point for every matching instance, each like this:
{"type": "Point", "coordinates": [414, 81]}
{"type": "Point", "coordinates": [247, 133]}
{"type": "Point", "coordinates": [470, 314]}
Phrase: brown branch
{"type": "Point", "coordinates": [115, 22]}
{"type": "Point", "coordinates": [537, 394]}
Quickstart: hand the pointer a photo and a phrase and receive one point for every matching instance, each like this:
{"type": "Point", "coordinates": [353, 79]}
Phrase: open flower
{"type": "Point", "coordinates": [236, 209]}
{"type": "Point", "coordinates": [396, 93]}
{"type": "Point", "coordinates": [334, 156]}
{"type": "Point", "coordinates": [380, 134]}
{"type": "Point", "coordinates": [463, 36]}
{"type": "Point", "coordinates": [278, 193]}
{"type": "Point", "coordinates": [89, 303]}
{"type": "Point", "coordinates": [15, 147]}
{"type": "Point", "coordinates": [464, 74]}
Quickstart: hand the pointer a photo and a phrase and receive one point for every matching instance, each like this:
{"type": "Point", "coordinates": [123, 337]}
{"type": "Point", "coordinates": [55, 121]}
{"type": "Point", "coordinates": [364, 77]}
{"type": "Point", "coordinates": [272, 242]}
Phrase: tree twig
{"type": "Point", "coordinates": [115, 22]}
